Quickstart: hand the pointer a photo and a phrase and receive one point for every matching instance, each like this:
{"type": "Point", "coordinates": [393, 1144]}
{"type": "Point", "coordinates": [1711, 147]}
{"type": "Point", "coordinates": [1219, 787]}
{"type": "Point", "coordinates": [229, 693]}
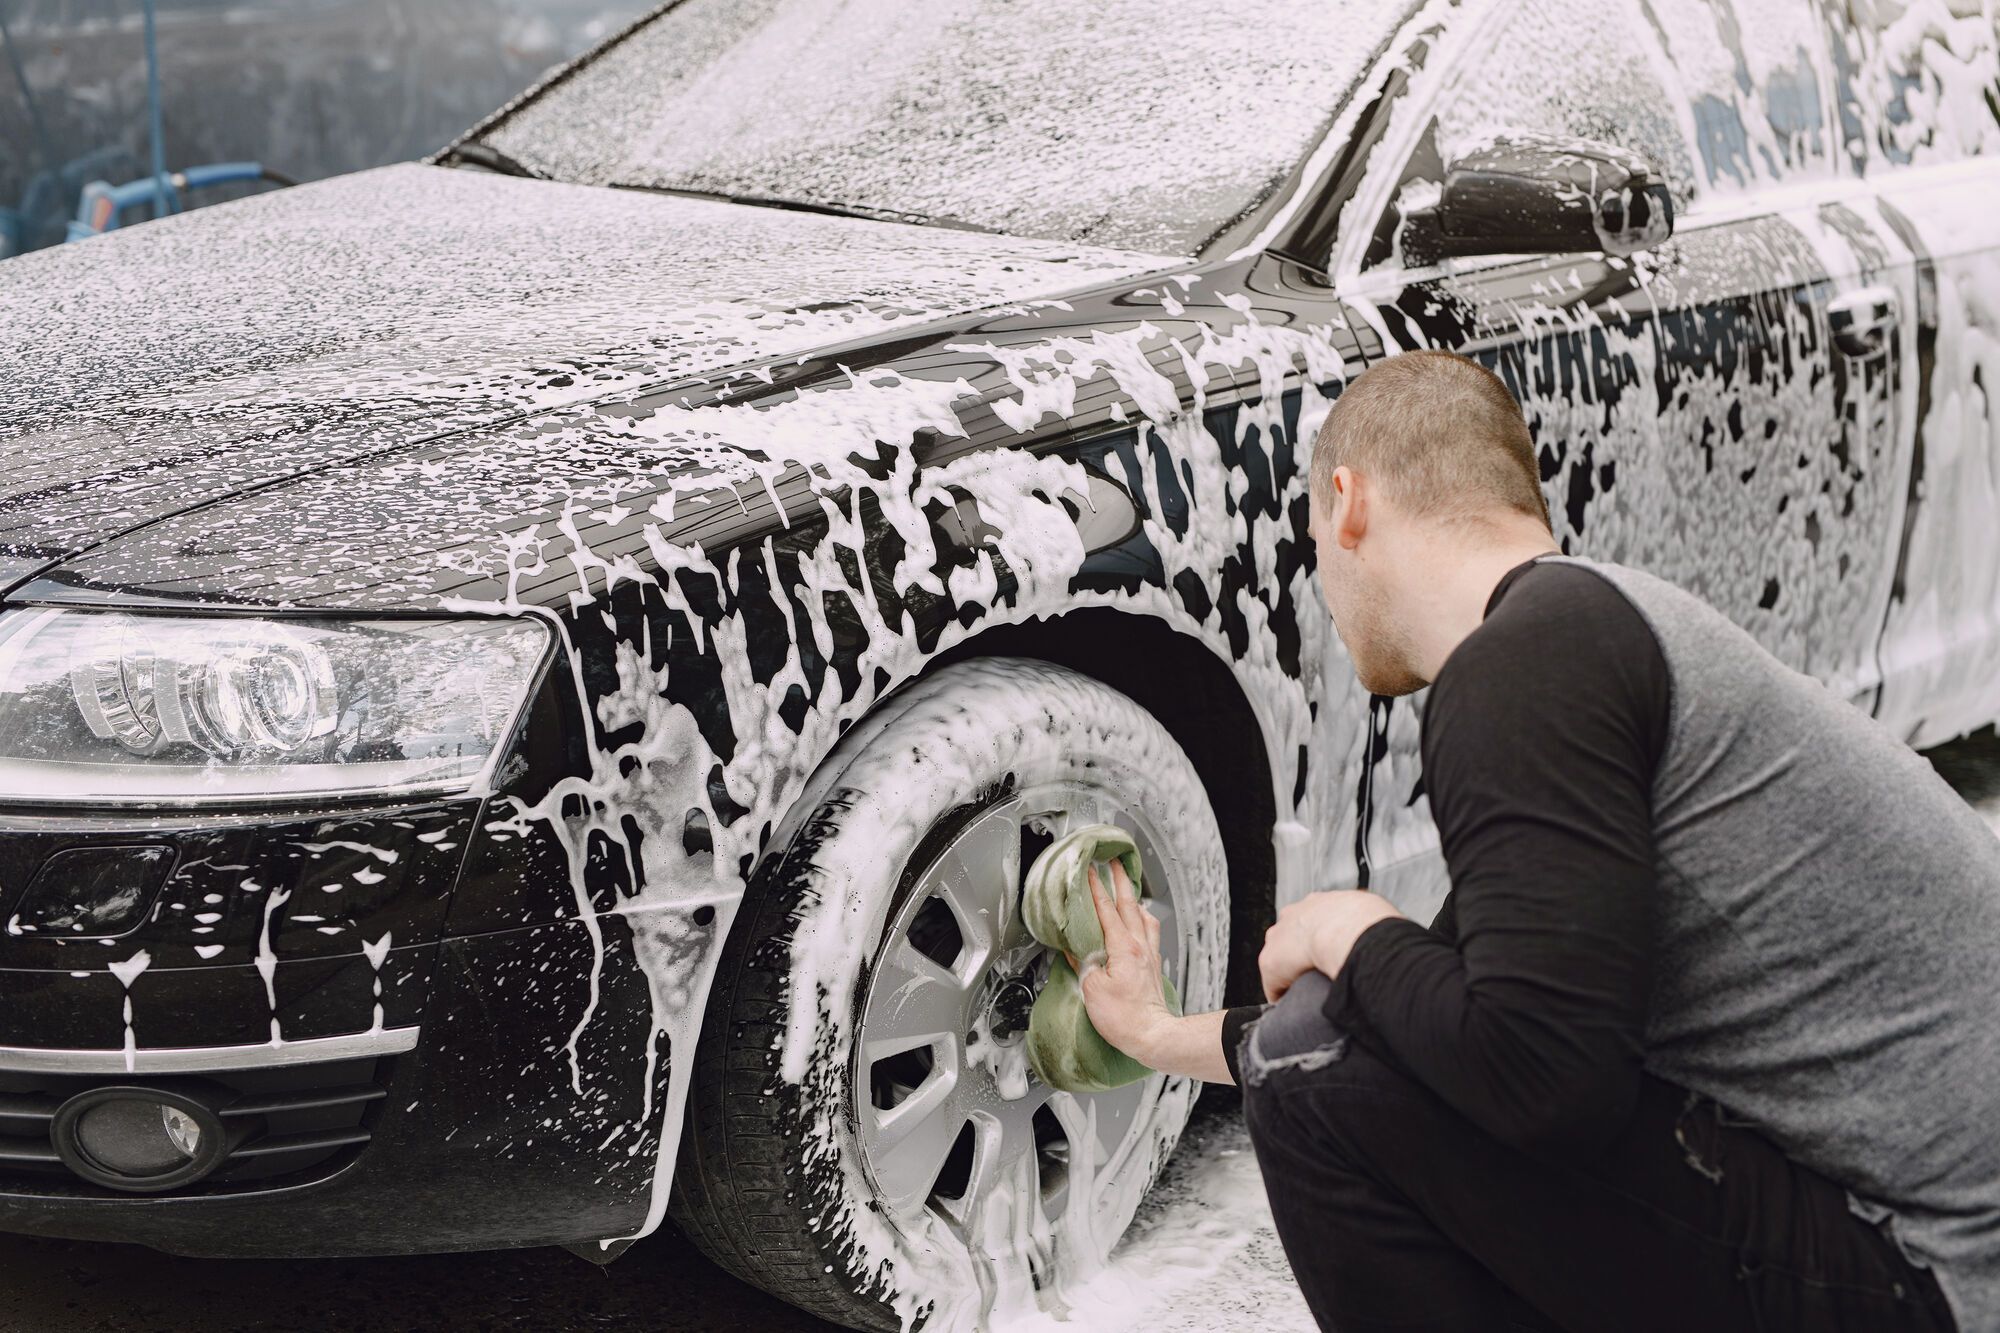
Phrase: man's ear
{"type": "Point", "coordinates": [1348, 508]}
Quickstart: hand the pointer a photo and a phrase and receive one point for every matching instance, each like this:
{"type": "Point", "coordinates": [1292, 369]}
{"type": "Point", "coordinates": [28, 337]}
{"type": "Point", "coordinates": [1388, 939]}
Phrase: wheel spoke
{"type": "Point", "coordinates": [915, 1001]}
{"type": "Point", "coordinates": [985, 1145]}
{"type": "Point", "coordinates": [1016, 1120]}
{"type": "Point", "coordinates": [1074, 1117]}
{"type": "Point", "coordinates": [1000, 1143]}
{"type": "Point", "coordinates": [913, 1138]}
{"type": "Point", "coordinates": [1114, 1112]}
{"type": "Point", "coordinates": [1071, 1114]}
{"type": "Point", "coordinates": [979, 878]}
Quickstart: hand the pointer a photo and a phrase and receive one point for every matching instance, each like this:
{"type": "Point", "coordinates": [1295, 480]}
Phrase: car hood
{"type": "Point", "coordinates": [224, 351]}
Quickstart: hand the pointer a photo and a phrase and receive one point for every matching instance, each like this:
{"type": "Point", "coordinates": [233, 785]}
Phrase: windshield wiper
{"type": "Point", "coordinates": [488, 158]}
{"type": "Point", "coordinates": [805, 206]}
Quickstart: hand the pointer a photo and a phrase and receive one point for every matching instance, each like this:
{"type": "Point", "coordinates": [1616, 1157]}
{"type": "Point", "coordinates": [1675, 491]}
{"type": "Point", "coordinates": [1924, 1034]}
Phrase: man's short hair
{"type": "Point", "coordinates": [1439, 434]}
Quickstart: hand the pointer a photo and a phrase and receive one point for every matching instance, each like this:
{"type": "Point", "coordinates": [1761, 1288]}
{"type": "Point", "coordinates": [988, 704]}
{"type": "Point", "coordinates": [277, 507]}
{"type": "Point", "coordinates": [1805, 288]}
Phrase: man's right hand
{"type": "Point", "coordinates": [1121, 987]}
{"type": "Point", "coordinates": [1123, 996]}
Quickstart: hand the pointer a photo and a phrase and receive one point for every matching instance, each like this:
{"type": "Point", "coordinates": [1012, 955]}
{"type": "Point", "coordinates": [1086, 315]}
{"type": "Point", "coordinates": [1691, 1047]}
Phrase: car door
{"type": "Point", "coordinates": [1697, 411]}
{"type": "Point", "coordinates": [1917, 91]}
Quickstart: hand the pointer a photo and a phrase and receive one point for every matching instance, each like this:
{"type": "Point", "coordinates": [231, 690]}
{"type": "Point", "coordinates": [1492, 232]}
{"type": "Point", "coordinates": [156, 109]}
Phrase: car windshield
{"type": "Point", "coordinates": [1106, 122]}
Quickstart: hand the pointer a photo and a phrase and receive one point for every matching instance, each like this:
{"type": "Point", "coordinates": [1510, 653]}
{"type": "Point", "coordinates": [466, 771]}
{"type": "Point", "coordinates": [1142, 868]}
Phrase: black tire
{"type": "Point", "coordinates": [773, 1180]}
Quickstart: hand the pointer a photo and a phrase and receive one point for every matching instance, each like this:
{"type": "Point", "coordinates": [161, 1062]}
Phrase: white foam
{"type": "Point", "coordinates": [1201, 1255]}
{"type": "Point", "coordinates": [1034, 117]}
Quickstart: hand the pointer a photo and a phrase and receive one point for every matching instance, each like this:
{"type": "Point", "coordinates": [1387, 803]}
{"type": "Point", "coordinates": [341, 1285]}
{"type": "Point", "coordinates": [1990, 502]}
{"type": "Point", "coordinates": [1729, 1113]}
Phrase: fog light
{"type": "Point", "coordinates": [141, 1140]}
{"type": "Point", "coordinates": [92, 891]}
{"type": "Point", "coordinates": [182, 1130]}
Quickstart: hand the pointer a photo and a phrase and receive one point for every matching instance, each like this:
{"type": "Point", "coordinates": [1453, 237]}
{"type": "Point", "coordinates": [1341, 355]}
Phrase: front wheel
{"type": "Point", "coordinates": [864, 1137]}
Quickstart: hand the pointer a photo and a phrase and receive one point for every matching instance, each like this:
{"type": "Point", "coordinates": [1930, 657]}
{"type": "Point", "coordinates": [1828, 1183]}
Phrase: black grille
{"type": "Point", "coordinates": [308, 1120]}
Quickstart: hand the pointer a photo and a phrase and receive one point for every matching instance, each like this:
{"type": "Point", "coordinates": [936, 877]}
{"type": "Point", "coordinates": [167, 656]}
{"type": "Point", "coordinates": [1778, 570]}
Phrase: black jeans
{"type": "Point", "coordinates": [1397, 1213]}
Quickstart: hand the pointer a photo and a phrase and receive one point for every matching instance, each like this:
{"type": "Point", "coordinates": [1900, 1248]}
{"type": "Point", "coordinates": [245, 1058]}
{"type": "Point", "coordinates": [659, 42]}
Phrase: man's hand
{"type": "Point", "coordinates": [1121, 989]}
{"type": "Point", "coordinates": [1316, 932]}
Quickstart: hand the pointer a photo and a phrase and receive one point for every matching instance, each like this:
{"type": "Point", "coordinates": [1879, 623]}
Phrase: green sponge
{"type": "Point", "coordinates": [1064, 1050]}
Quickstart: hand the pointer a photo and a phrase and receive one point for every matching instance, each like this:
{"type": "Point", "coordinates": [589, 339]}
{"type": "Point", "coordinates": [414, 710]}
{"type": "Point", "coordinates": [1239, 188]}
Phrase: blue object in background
{"type": "Point", "coordinates": [103, 205]}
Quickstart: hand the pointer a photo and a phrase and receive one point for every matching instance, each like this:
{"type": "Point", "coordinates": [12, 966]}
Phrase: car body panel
{"type": "Point", "coordinates": [376, 311]}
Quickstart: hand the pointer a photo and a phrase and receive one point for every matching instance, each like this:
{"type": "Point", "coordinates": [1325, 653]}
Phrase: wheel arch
{"type": "Point", "coordinates": [1193, 693]}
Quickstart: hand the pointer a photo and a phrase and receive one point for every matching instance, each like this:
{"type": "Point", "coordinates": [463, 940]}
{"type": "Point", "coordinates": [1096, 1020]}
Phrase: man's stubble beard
{"type": "Point", "coordinates": [1377, 645]}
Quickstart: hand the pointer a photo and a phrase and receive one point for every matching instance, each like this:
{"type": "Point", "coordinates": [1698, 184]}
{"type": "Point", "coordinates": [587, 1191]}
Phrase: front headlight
{"type": "Point", "coordinates": [99, 706]}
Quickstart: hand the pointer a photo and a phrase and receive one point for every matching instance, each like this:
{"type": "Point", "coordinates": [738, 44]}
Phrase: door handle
{"type": "Point", "coordinates": [1862, 320]}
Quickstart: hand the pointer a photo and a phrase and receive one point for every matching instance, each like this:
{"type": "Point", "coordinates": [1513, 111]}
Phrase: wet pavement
{"type": "Point", "coordinates": [661, 1286]}
{"type": "Point", "coordinates": [1206, 1219]}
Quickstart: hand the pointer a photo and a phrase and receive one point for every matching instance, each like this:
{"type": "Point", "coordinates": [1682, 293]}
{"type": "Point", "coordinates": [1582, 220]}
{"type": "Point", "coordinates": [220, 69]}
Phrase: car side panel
{"type": "Point", "coordinates": [1694, 418]}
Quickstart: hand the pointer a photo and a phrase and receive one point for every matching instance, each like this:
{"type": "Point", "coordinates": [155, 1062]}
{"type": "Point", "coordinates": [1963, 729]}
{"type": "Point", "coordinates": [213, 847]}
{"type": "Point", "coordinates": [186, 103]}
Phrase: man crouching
{"type": "Point", "coordinates": [1706, 1035]}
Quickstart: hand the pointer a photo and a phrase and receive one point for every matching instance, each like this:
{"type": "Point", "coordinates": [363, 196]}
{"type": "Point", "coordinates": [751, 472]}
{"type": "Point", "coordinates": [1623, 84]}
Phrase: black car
{"type": "Point", "coordinates": [528, 680]}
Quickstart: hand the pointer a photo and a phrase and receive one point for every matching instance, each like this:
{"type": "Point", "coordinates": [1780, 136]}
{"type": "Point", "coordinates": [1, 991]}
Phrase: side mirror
{"type": "Point", "coordinates": [1528, 194]}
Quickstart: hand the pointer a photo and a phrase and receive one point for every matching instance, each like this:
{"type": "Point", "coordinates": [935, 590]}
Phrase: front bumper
{"type": "Point", "coordinates": [409, 1088]}
{"type": "Point", "coordinates": [464, 1150]}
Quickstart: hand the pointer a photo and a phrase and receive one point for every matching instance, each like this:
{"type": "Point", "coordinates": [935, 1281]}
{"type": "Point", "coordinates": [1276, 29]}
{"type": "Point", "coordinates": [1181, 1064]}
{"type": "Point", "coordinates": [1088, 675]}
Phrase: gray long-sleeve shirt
{"type": "Point", "coordinates": [1718, 872]}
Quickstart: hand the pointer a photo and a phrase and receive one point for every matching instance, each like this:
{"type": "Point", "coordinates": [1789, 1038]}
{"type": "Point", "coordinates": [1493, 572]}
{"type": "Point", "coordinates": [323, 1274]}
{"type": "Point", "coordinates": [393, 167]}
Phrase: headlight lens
{"type": "Point", "coordinates": [125, 708]}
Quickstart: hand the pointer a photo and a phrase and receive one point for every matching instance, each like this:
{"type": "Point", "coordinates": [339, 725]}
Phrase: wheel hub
{"type": "Point", "coordinates": [1007, 1015]}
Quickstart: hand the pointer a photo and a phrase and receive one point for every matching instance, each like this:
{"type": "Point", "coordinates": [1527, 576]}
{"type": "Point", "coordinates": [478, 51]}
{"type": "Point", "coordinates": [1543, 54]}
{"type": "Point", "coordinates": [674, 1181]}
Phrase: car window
{"type": "Point", "coordinates": [1569, 68]}
{"type": "Point", "coordinates": [1100, 122]}
{"type": "Point", "coordinates": [1916, 80]}
{"type": "Point", "coordinates": [1754, 76]}
{"type": "Point", "coordinates": [1582, 68]}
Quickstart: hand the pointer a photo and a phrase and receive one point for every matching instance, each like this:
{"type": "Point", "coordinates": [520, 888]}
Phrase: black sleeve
{"type": "Point", "coordinates": [1541, 738]}
{"type": "Point", "coordinates": [1445, 924]}
{"type": "Point", "coordinates": [1233, 1022]}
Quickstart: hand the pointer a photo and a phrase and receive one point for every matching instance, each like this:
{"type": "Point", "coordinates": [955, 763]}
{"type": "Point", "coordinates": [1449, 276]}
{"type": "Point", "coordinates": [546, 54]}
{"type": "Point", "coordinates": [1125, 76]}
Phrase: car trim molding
{"type": "Point", "coordinates": [209, 1059]}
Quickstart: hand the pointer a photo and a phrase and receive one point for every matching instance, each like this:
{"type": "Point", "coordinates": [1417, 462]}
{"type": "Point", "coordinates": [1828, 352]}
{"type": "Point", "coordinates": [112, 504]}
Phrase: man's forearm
{"type": "Point", "coordinates": [1190, 1046]}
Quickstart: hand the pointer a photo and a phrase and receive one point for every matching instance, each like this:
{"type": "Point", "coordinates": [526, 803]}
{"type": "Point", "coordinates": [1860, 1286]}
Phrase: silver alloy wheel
{"type": "Point", "coordinates": [946, 1104]}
